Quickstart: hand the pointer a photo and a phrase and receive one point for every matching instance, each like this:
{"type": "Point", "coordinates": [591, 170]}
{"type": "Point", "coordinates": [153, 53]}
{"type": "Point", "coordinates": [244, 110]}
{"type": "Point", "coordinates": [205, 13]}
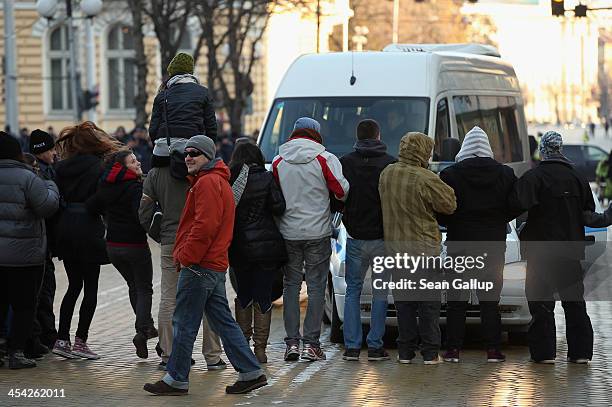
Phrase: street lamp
{"type": "Point", "coordinates": [47, 9]}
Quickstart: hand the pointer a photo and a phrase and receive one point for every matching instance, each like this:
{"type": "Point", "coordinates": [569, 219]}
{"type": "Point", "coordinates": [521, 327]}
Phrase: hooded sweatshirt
{"type": "Point", "coordinates": [207, 222]}
{"type": "Point", "coordinates": [411, 195]}
{"type": "Point", "coordinates": [362, 212]}
{"type": "Point", "coordinates": [307, 175]}
{"type": "Point", "coordinates": [482, 187]}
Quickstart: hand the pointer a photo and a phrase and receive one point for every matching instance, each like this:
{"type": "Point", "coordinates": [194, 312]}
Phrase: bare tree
{"type": "Point", "coordinates": [141, 96]}
{"type": "Point", "coordinates": [169, 19]}
{"type": "Point", "coordinates": [232, 32]}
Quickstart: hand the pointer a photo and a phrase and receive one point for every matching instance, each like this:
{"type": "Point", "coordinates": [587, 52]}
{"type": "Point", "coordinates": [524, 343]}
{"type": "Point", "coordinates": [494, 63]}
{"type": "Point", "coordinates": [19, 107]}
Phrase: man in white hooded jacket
{"type": "Point", "coordinates": [307, 175]}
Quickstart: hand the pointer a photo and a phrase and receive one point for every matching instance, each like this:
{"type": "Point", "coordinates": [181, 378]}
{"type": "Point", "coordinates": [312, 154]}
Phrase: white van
{"type": "Point", "coordinates": [439, 90]}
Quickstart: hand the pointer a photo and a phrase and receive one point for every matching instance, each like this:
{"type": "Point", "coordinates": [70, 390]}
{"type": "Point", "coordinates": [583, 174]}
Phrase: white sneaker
{"type": "Point", "coordinates": [435, 361]}
{"type": "Point", "coordinates": [579, 361]}
{"type": "Point", "coordinates": [544, 361]}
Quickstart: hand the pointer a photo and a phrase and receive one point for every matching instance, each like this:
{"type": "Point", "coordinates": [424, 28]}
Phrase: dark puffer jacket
{"type": "Point", "coordinates": [118, 198]}
{"type": "Point", "coordinates": [25, 200]}
{"type": "Point", "coordinates": [190, 112]}
{"type": "Point", "coordinates": [482, 187]}
{"type": "Point", "coordinates": [256, 236]}
{"type": "Point", "coordinates": [80, 235]}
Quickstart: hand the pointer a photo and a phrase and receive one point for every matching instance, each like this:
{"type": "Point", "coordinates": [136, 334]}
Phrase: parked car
{"type": "Point", "coordinates": [515, 314]}
{"type": "Point", "coordinates": [585, 158]}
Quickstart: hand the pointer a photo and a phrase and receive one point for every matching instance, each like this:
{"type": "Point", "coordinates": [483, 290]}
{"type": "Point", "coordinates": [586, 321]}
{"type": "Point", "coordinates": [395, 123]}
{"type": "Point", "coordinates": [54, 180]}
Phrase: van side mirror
{"type": "Point", "coordinates": [450, 148]}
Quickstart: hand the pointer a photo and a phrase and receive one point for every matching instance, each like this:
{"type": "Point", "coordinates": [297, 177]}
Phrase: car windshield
{"type": "Point", "coordinates": [339, 117]}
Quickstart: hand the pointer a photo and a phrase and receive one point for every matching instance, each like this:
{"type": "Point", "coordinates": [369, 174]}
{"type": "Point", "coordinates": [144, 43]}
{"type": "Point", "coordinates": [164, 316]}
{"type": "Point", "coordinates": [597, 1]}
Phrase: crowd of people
{"type": "Point", "coordinates": [88, 204]}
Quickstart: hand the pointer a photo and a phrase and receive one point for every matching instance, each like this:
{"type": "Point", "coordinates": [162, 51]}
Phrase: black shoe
{"type": "Point", "coordinates": [162, 366]}
{"type": "Point", "coordinates": [351, 354]}
{"type": "Point", "coordinates": [17, 360]}
{"type": "Point", "coordinates": [375, 355]}
{"type": "Point", "coordinates": [159, 350]}
{"type": "Point", "coordinates": [217, 366]}
{"type": "Point", "coordinates": [3, 348]}
{"type": "Point", "coordinates": [36, 351]}
{"type": "Point", "coordinates": [292, 353]}
{"type": "Point", "coordinates": [160, 388]}
{"type": "Point", "coordinates": [241, 387]}
{"type": "Point", "coordinates": [151, 333]}
{"type": "Point", "coordinates": [140, 342]}
{"type": "Point", "coordinates": [405, 357]}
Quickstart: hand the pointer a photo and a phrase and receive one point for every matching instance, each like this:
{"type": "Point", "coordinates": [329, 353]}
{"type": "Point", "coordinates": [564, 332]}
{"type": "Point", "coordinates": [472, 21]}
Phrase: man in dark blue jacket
{"type": "Point", "coordinates": [556, 197]}
{"type": "Point", "coordinates": [182, 107]}
{"type": "Point", "coordinates": [42, 146]}
{"type": "Point", "coordinates": [364, 226]}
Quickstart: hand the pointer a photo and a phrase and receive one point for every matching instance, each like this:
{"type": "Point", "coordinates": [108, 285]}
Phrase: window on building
{"type": "Point", "coordinates": [498, 116]}
{"type": "Point", "coordinates": [121, 68]}
{"type": "Point", "coordinates": [59, 72]}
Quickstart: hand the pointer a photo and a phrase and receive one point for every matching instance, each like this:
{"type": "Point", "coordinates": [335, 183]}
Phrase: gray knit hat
{"type": "Point", "coordinates": [203, 144]}
{"type": "Point", "coordinates": [551, 143]}
{"type": "Point", "coordinates": [475, 144]}
{"type": "Point", "coordinates": [307, 123]}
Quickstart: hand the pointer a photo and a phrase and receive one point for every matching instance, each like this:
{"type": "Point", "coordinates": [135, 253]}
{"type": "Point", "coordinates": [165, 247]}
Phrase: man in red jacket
{"type": "Point", "coordinates": [202, 241]}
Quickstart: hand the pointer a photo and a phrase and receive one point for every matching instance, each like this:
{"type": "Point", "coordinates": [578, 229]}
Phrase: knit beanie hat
{"type": "Point", "coordinates": [204, 144]}
{"type": "Point", "coordinates": [307, 123]}
{"type": "Point", "coordinates": [550, 144]}
{"type": "Point", "coordinates": [180, 64]}
{"type": "Point", "coordinates": [40, 141]}
{"type": "Point", "coordinates": [9, 147]}
{"type": "Point", "coordinates": [475, 144]}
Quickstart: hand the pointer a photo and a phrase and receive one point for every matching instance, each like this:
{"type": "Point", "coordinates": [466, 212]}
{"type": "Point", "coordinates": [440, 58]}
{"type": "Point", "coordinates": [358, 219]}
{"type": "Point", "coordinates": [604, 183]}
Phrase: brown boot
{"type": "Point", "coordinates": [261, 332]}
{"type": "Point", "coordinates": [244, 317]}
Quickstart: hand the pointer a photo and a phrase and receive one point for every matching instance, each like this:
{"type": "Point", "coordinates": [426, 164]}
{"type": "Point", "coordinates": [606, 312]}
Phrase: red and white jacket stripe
{"type": "Point", "coordinates": [307, 174]}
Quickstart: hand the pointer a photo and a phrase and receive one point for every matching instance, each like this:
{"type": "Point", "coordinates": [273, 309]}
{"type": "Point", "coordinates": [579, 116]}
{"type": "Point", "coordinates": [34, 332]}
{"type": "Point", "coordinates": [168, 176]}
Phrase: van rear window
{"type": "Point", "coordinates": [339, 118]}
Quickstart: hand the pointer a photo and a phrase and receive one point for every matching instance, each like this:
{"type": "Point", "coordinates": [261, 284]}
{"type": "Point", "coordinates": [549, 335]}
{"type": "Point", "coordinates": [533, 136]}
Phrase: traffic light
{"type": "Point", "coordinates": [90, 99]}
{"type": "Point", "coordinates": [557, 7]}
{"type": "Point", "coordinates": [580, 10]}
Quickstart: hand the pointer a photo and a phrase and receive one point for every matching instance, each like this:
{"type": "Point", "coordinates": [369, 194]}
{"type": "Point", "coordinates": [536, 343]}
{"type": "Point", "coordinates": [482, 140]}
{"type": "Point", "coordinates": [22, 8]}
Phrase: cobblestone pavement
{"type": "Point", "coordinates": [117, 378]}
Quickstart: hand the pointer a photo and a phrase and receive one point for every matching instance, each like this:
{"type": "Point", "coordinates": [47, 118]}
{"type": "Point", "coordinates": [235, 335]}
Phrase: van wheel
{"type": "Point", "coordinates": [517, 338]}
{"type": "Point", "coordinates": [336, 335]}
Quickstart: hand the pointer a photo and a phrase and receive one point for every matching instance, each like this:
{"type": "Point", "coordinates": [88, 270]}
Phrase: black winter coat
{"type": "Point", "coordinates": [256, 236]}
{"type": "Point", "coordinates": [118, 198]}
{"type": "Point", "coordinates": [190, 112]}
{"type": "Point", "coordinates": [362, 209]}
{"type": "Point", "coordinates": [80, 235]}
{"type": "Point", "coordinates": [482, 187]}
{"type": "Point", "coordinates": [555, 196]}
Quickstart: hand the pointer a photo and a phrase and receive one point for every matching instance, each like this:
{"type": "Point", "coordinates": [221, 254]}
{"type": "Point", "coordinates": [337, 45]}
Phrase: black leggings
{"type": "Point", "coordinates": [79, 275]}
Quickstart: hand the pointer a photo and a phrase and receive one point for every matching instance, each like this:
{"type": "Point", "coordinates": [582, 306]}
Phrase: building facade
{"type": "Point", "coordinates": [44, 94]}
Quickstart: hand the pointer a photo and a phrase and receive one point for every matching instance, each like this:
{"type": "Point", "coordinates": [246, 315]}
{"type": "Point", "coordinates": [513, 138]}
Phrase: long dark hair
{"type": "Point", "coordinates": [245, 153]}
{"type": "Point", "coordinates": [86, 138]}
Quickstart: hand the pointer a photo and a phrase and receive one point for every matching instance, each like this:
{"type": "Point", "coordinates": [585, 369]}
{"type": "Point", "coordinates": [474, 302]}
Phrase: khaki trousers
{"type": "Point", "coordinates": [211, 344]}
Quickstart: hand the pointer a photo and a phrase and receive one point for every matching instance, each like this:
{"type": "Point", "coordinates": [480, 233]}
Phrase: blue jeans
{"type": "Point", "coordinates": [200, 290]}
{"type": "Point", "coordinates": [308, 259]}
{"type": "Point", "coordinates": [359, 255]}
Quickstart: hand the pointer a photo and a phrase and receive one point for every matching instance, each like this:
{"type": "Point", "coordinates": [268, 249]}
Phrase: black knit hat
{"type": "Point", "coordinates": [40, 141]}
{"type": "Point", "coordinates": [9, 147]}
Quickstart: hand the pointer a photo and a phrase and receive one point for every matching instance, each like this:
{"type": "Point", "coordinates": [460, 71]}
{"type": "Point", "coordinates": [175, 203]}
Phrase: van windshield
{"type": "Point", "coordinates": [339, 117]}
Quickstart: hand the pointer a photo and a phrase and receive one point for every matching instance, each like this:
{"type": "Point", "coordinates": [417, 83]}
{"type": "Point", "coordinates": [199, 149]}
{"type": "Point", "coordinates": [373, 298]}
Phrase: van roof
{"type": "Point", "coordinates": [475, 49]}
{"type": "Point", "coordinates": [395, 74]}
